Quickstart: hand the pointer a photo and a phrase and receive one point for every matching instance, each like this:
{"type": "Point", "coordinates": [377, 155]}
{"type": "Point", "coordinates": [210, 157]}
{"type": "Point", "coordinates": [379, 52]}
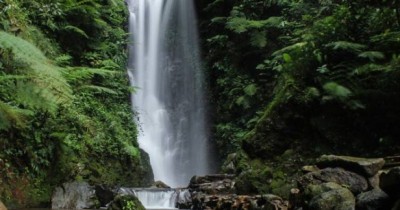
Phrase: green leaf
{"type": "Point", "coordinates": [243, 101]}
{"type": "Point", "coordinates": [251, 90]}
{"type": "Point", "coordinates": [287, 58]}
{"type": "Point", "coordinates": [336, 90]}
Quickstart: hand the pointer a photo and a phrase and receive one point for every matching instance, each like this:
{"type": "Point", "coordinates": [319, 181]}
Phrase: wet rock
{"type": "Point", "coordinates": [147, 175]}
{"type": "Point", "coordinates": [307, 169]}
{"type": "Point", "coordinates": [353, 181]}
{"type": "Point", "coordinates": [104, 194]}
{"type": "Point", "coordinates": [213, 184]}
{"type": "Point", "coordinates": [375, 199]}
{"type": "Point", "coordinates": [126, 202]}
{"type": "Point", "coordinates": [2, 206]}
{"type": "Point", "coordinates": [74, 195]}
{"type": "Point", "coordinates": [390, 182]}
{"type": "Point", "coordinates": [314, 190]}
{"type": "Point", "coordinates": [373, 181]}
{"type": "Point", "coordinates": [365, 166]}
{"type": "Point", "coordinates": [159, 184]}
{"type": "Point", "coordinates": [335, 199]}
{"type": "Point", "coordinates": [184, 199]}
{"type": "Point", "coordinates": [227, 202]}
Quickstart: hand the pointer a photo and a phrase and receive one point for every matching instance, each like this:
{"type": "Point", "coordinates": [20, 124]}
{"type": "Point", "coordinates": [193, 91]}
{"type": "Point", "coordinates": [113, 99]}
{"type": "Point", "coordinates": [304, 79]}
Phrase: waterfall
{"type": "Point", "coordinates": [164, 66]}
{"type": "Point", "coordinates": [158, 198]}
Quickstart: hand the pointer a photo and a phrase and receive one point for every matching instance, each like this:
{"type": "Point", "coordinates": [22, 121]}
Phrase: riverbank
{"type": "Point", "coordinates": [333, 182]}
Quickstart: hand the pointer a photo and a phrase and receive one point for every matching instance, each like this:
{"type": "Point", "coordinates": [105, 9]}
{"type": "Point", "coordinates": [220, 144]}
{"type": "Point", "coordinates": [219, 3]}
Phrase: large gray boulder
{"type": "Point", "coordinates": [365, 166]}
{"type": "Point", "coordinates": [375, 199]}
{"type": "Point", "coordinates": [74, 195]}
{"type": "Point", "coordinates": [353, 181]}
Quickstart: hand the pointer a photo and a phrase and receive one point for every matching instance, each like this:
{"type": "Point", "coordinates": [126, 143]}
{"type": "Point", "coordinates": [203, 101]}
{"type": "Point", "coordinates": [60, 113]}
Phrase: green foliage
{"type": "Point", "coordinates": [337, 90]}
{"type": "Point", "coordinates": [64, 98]}
{"type": "Point", "coordinates": [289, 74]}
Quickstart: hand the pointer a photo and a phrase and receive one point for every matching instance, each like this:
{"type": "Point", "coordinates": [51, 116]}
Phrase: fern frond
{"type": "Point", "coordinates": [98, 89]}
{"type": "Point", "coordinates": [290, 48]}
{"type": "Point", "coordinates": [372, 55]}
{"type": "Point", "coordinates": [42, 72]}
{"type": "Point", "coordinates": [32, 97]}
{"type": "Point", "coordinates": [76, 30]}
{"type": "Point", "coordinates": [10, 115]}
{"type": "Point", "coordinates": [83, 73]}
{"type": "Point", "coordinates": [242, 24]}
{"type": "Point", "coordinates": [371, 68]}
{"type": "Point", "coordinates": [12, 77]}
{"type": "Point", "coordinates": [387, 37]}
{"type": "Point", "coordinates": [347, 46]}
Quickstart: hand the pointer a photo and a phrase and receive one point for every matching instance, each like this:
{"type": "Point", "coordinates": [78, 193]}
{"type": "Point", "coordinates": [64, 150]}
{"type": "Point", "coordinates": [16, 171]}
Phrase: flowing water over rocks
{"type": "Point", "coordinates": [158, 198]}
{"type": "Point", "coordinates": [165, 67]}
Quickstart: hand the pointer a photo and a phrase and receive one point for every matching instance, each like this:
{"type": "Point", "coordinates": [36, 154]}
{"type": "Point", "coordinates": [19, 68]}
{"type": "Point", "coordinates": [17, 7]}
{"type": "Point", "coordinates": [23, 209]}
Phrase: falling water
{"type": "Point", "coordinates": [165, 68]}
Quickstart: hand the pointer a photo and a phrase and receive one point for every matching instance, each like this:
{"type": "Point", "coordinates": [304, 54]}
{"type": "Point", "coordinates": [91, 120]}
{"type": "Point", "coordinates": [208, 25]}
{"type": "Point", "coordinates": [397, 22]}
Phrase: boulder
{"type": "Point", "coordinates": [335, 199]}
{"type": "Point", "coordinates": [375, 199]}
{"type": "Point", "coordinates": [74, 195]}
{"type": "Point", "coordinates": [184, 199]}
{"type": "Point", "coordinates": [126, 202]}
{"type": "Point", "coordinates": [2, 206]}
{"type": "Point", "coordinates": [365, 166]}
{"type": "Point", "coordinates": [159, 184]}
{"type": "Point", "coordinates": [314, 190]}
{"type": "Point", "coordinates": [213, 184]}
{"type": "Point", "coordinates": [147, 174]}
{"type": "Point", "coordinates": [104, 194]}
{"type": "Point", "coordinates": [390, 182]}
{"type": "Point", "coordinates": [227, 202]}
{"type": "Point", "coordinates": [311, 168]}
{"type": "Point", "coordinates": [374, 181]}
{"type": "Point", "coordinates": [353, 181]}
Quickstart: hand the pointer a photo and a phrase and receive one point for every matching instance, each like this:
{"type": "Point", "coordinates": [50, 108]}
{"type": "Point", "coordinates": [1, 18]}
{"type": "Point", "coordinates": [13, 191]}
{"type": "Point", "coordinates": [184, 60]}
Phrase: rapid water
{"type": "Point", "coordinates": [165, 67]}
{"type": "Point", "coordinates": [158, 198]}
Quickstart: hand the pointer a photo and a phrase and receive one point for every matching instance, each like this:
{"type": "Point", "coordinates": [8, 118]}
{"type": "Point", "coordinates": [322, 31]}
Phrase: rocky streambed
{"type": "Point", "coordinates": [334, 182]}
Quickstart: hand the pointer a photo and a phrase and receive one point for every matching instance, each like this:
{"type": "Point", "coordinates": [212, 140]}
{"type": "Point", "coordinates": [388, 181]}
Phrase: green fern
{"type": "Point", "coordinates": [12, 116]}
{"type": "Point", "coordinates": [42, 73]}
{"type": "Point", "coordinates": [372, 55]}
{"type": "Point", "coordinates": [259, 39]}
{"type": "Point", "coordinates": [76, 30]}
{"type": "Point", "coordinates": [74, 74]}
{"type": "Point", "coordinates": [347, 46]}
{"type": "Point", "coordinates": [98, 89]}
{"type": "Point", "coordinates": [242, 24]}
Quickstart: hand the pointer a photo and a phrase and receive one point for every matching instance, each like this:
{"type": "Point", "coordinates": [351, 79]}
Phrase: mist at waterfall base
{"type": "Point", "coordinates": [165, 67]}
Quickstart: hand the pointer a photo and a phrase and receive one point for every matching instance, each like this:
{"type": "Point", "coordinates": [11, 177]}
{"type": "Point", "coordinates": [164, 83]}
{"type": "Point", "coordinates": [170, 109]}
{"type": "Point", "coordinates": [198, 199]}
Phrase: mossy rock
{"type": "Point", "coordinates": [126, 202]}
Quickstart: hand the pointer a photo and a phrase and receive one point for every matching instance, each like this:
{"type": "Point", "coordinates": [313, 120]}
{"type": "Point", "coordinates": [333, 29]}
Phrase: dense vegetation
{"type": "Point", "coordinates": [64, 98]}
{"type": "Point", "coordinates": [291, 79]}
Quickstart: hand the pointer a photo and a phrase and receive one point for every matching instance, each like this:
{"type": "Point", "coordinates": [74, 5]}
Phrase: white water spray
{"type": "Point", "coordinates": [165, 67]}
